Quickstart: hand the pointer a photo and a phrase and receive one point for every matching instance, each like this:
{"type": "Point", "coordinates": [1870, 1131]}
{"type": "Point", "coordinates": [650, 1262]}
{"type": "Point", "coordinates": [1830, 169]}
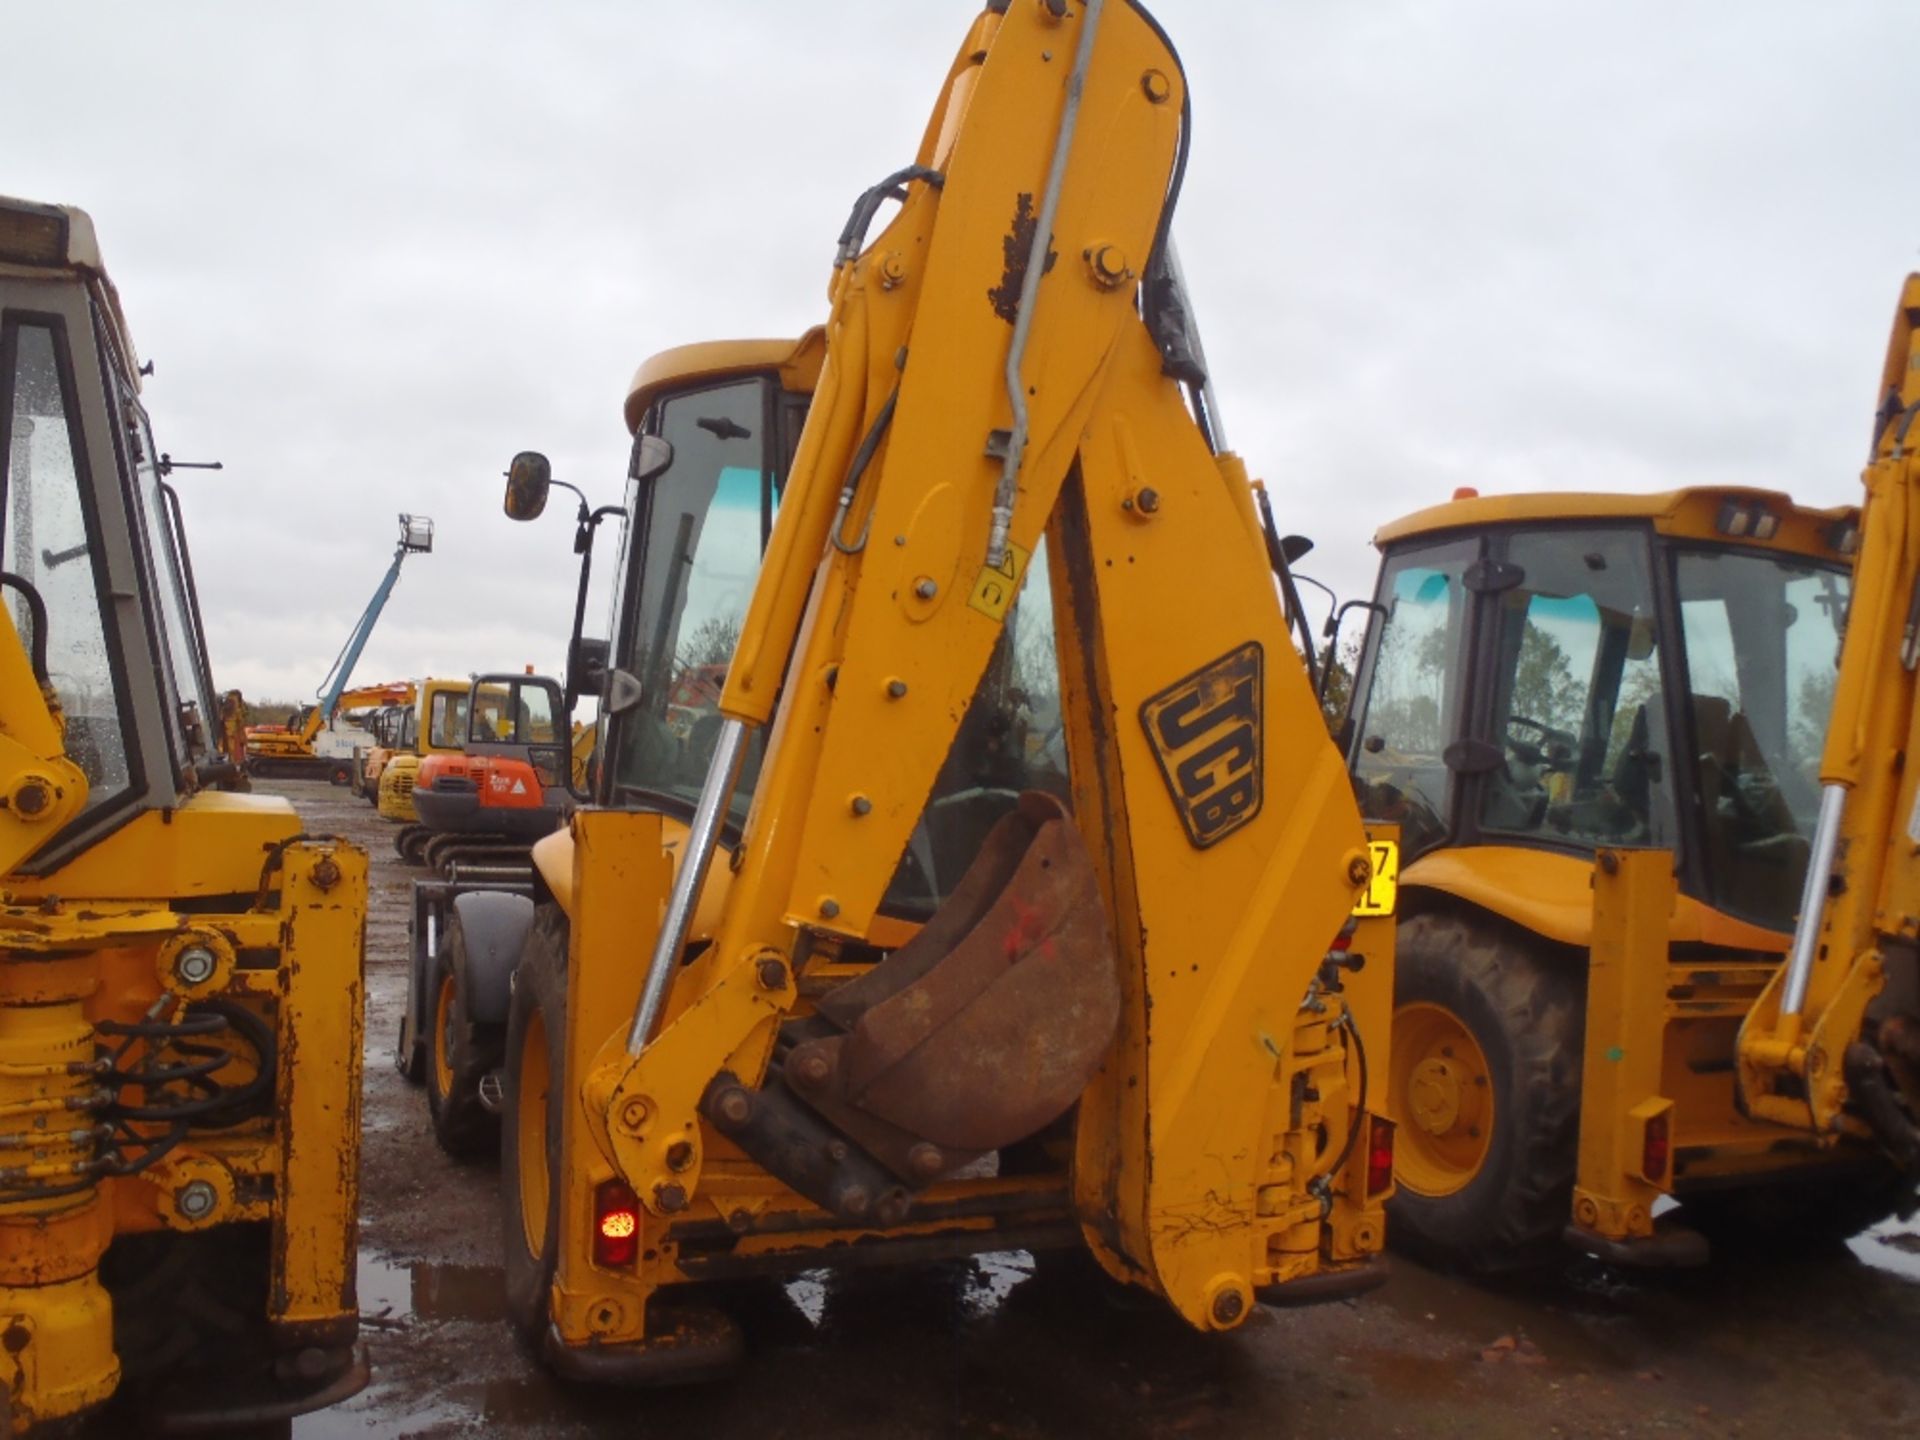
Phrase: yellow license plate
{"type": "Point", "coordinates": [1384, 888]}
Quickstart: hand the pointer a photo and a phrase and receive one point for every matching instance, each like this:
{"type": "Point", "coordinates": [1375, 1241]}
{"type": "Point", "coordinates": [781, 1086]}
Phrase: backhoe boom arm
{"type": "Point", "coordinates": [1210, 809]}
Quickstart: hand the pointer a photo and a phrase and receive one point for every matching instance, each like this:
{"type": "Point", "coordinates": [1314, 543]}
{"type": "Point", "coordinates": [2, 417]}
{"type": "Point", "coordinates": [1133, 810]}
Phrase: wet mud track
{"type": "Point", "coordinates": [1013, 1346]}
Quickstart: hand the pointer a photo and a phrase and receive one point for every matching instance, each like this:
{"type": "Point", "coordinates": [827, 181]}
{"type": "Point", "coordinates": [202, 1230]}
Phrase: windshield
{"type": "Point", "coordinates": [46, 540]}
{"type": "Point", "coordinates": [1762, 645]}
{"type": "Point", "coordinates": [687, 572]}
{"type": "Point", "coordinates": [518, 712]}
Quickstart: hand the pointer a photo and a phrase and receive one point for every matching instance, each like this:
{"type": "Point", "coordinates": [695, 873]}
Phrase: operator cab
{"type": "Point", "coordinates": [1578, 671]}
{"type": "Point", "coordinates": [93, 558]}
{"type": "Point", "coordinates": [699, 527]}
{"type": "Point", "coordinates": [715, 430]}
{"type": "Point", "coordinates": [520, 716]}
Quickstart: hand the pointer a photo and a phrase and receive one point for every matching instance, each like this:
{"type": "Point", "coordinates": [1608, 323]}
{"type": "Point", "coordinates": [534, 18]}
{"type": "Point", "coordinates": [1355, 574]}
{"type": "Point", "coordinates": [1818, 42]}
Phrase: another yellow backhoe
{"type": "Point", "coordinates": [1600, 722]}
{"type": "Point", "coordinates": [180, 1000]}
{"type": "Point", "coordinates": [1013, 904]}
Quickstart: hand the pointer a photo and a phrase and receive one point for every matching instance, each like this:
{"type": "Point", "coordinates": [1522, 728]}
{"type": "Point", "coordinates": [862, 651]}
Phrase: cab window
{"type": "Point", "coordinates": [447, 720]}
{"type": "Point", "coordinates": [694, 546]}
{"type": "Point", "coordinates": [190, 695]}
{"type": "Point", "coordinates": [46, 541]}
{"type": "Point", "coordinates": [1011, 739]}
{"type": "Point", "coordinates": [1762, 646]}
{"type": "Point", "coordinates": [1409, 709]}
{"type": "Point", "coordinates": [1578, 719]}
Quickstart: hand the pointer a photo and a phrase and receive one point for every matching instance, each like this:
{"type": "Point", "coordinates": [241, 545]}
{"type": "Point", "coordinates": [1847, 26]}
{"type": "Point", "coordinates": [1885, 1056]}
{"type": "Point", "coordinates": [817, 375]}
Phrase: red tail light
{"type": "Point", "coordinates": [1379, 1155]}
{"type": "Point", "coordinates": [1654, 1149]}
{"type": "Point", "coordinates": [616, 1224]}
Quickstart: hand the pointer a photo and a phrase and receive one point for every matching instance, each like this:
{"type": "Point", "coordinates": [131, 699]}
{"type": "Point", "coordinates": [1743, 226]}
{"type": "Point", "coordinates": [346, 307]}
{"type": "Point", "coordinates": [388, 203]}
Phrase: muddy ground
{"type": "Point", "coordinates": [1823, 1344]}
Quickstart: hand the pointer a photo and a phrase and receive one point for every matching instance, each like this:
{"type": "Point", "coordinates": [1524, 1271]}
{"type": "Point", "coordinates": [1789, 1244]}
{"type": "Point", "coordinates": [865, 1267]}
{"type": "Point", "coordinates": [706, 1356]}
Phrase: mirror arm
{"type": "Point", "coordinates": [585, 550]}
{"type": "Point", "coordinates": [1277, 559]}
{"type": "Point", "coordinates": [1334, 622]}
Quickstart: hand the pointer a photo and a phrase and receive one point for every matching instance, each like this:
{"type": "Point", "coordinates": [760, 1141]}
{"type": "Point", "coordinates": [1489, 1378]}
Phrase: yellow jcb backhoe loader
{"type": "Point", "coordinates": [177, 1189]}
{"type": "Point", "coordinates": [1036, 855]}
{"type": "Point", "coordinates": [1598, 721]}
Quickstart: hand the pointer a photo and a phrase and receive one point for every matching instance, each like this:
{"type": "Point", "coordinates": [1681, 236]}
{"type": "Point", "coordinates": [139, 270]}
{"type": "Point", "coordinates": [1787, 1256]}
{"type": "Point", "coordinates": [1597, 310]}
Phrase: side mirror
{"type": "Point", "coordinates": [652, 454]}
{"type": "Point", "coordinates": [1295, 548]}
{"type": "Point", "coordinates": [587, 667]}
{"type": "Point", "coordinates": [528, 479]}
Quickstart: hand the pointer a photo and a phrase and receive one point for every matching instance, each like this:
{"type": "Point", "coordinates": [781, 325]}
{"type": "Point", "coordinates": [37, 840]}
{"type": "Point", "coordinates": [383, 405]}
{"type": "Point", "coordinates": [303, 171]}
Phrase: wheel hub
{"type": "Point", "coordinates": [1442, 1094]}
{"type": "Point", "coordinates": [1433, 1096]}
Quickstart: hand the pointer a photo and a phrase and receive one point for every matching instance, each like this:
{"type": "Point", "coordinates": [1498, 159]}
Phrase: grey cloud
{"type": "Point", "coordinates": [375, 249]}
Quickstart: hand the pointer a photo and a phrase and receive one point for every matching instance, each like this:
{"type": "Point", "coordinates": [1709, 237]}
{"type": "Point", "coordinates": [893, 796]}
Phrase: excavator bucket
{"type": "Point", "coordinates": [977, 1033]}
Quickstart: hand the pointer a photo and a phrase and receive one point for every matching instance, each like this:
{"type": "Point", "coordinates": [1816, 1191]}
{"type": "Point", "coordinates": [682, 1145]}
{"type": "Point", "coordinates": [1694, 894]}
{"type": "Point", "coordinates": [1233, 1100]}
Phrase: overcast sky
{"type": "Point", "coordinates": [374, 249]}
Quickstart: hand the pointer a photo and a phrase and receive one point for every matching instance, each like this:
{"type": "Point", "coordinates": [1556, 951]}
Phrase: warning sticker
{"type": "Point", "coordinates": [996, 586]}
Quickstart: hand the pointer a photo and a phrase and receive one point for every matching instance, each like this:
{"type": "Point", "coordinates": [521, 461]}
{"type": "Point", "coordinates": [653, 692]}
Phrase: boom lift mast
{"type": "Point", "coordinates": [288, 750]}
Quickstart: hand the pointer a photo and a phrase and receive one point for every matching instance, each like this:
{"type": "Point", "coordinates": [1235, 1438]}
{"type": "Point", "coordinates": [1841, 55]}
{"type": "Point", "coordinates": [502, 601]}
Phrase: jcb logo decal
{"type": "Point", "coordinates": [1206, 732]}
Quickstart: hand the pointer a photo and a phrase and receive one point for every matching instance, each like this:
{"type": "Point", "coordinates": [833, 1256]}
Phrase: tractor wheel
{"type": "Point", "coordinates": [1484, 1083]}
{"type": "Point", "coordinates": [460, 1054]}
{"type": "Point", "coordinates": [340, 772]}
{"type": "Point", "coordinates": [532, 1105]}
{"type": "Point", "coordinates": [188, 1313]}
{"type": "Point", "coordinates": [411, 1060]}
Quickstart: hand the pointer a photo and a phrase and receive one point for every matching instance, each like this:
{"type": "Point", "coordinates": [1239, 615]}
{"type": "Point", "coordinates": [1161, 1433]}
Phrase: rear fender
{"type": "Point", "coordinates": [495, 926]}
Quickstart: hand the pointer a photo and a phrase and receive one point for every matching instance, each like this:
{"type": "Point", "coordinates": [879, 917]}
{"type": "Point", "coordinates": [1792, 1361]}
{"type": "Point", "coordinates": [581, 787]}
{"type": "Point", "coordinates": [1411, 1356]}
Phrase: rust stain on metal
{"type": "Point", "coordinates": [1016, 246]}
{"type": "Point", "coordinates": [989, 1023]}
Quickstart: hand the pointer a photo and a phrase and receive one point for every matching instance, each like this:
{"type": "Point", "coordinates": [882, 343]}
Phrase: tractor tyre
{"type": "Point", "coordinates": [187, 1326]}
{"type": "Point", "coordinates": [533, 1102]}
{"type": "Point", "coordinates": [1484, 1082]}
{"type": "Point", "coordinates": [340, 772]}
{"type": "Point", "coordinates": [460, 1054]}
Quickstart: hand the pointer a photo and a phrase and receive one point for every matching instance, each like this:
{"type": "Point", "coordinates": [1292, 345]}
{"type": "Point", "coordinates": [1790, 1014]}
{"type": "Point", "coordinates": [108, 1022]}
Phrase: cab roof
{"type": "Point", "coordinates": [1694, 514]}
{"type": "Point", "coordinates": [36, 239]}
{"type": "Point", "coordinates": [798, 362]}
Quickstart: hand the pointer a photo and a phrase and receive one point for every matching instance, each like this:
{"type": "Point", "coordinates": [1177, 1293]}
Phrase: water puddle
{"type": "Point", "coordinates": [808, 1292]}
{"type": "Point", "coordinates": [392, 1292]}
{"type": "Point", "coordinates": [1893, 1246]}
{"type": "Point", "coordinates": [980, 1285]}
{"type": "Point", "coordinates": [994, 1278]}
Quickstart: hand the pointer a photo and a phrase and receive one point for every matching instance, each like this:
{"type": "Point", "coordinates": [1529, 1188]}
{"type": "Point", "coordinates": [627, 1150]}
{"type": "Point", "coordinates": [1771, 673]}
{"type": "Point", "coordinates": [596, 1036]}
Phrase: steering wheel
{"type": "Point", "coordinates": [1552, 740]}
